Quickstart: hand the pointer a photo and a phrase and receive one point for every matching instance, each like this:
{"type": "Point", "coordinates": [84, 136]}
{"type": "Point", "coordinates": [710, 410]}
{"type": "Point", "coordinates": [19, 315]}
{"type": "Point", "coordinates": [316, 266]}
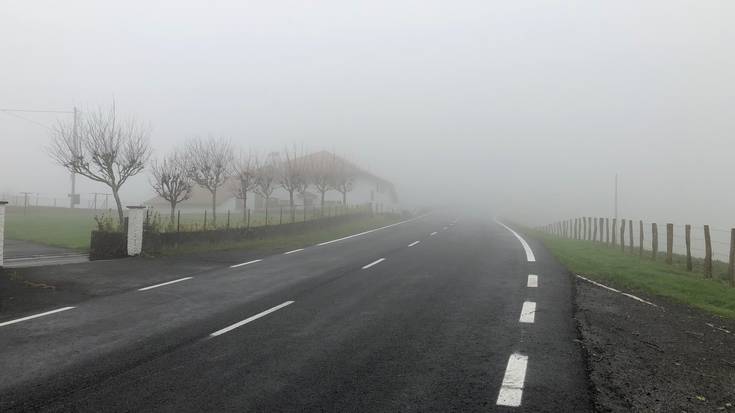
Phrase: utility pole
{"type": "Point", "coordinates": [25, 201]}
{"type": "Point", "coordinates": [616, 196]}
{"type": "Point", "coordinates": [73, 195]}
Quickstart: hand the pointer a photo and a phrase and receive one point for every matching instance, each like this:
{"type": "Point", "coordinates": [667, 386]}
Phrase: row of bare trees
{"type": "Point", "coordinates": [106, 149]}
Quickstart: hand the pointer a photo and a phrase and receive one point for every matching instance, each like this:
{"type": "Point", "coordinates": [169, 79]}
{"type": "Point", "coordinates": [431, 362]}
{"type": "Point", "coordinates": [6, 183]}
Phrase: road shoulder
{"type": "Point", "coordinates": [645, 358]}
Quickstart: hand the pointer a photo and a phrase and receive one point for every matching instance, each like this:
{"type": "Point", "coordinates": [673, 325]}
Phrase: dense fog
{"type": "Point", "coordinates": [525, 109]}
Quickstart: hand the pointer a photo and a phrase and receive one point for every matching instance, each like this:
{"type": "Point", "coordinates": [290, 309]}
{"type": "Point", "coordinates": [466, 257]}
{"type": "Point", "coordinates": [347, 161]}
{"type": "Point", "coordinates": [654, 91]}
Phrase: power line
{"type": "Point", "coordinates": [26, 119]}
{"type": "Point", "coordinates": [36, 110]}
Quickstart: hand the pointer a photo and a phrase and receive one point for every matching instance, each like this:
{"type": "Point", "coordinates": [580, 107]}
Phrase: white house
{"type": "Point", "coordinates": [367, 188]}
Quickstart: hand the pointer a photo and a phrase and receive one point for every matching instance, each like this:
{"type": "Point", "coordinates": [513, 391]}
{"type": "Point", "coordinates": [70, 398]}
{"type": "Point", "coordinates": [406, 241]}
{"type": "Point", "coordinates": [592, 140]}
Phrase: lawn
{"type": "Point", "coordinates": [290, 241]}
{"type": "Point", "coordinates": [631, 273]}
{"type": "Point", "coordinates": [71, 228]}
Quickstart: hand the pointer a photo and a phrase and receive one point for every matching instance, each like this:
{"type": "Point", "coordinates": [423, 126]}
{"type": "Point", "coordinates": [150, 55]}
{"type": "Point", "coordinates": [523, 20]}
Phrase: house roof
{"type": "Point", "coordinates": [202, 197]}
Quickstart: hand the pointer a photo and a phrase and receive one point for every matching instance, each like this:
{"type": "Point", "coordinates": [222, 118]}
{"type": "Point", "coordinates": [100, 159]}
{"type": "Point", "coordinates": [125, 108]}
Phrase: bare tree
{"type": "Point", "coordinates": [171, 181]}
{"type": "Point", "coordinates": [292, 176]}
{"type": "Point", "coordinates": [245, 169]}
{"type": "Point", "coordinates": [103, 148]}
{"type": "Point", "coordinates": [265, 180]}
{"type": "Point", "coordinates": [210, 163]}
{"type": "Point", "coordinates": [344, 178]}
{"type": "Point", "coordinates": [321, 173]}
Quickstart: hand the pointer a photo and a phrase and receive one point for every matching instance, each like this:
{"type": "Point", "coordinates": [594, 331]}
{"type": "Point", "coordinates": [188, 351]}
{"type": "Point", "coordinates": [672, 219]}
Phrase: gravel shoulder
{"type": "Point", "coordinates": [641, 358]}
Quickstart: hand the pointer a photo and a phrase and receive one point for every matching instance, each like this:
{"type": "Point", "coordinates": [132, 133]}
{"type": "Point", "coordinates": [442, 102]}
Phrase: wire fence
{"type": "Point", "coordinates": [694, 245]}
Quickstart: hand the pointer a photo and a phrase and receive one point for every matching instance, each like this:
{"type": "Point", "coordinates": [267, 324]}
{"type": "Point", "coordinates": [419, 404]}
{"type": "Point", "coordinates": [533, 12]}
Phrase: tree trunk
{"type": "Point", "coordinates": [322, 209]}
{"type": "Point", "coordinates": [121, 219]}
{"type": "Point", "coordinates": [291, 204]}
{"type": "Point", "coordinates": [344, 198]}
{"type": "Point", "coordinates": [214, 208]}
{"type": "Point", "coordinates": [244, 206]}
{"type": "Point", "coordinates": [173, 212]}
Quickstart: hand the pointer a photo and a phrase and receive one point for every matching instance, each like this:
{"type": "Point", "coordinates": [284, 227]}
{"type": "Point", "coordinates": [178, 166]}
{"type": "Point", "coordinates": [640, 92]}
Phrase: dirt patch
{"type": "Point", "coordinates": [19, 294]}
{"type": "Point", "coordinates": [643, 358]}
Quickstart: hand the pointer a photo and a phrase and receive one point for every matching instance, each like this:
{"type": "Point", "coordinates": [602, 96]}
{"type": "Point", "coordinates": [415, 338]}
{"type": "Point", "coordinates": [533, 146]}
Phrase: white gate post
{"type": "Point", "coordinates": [2, 230]}
{"type": "Point", "coordinates": [135, 230]}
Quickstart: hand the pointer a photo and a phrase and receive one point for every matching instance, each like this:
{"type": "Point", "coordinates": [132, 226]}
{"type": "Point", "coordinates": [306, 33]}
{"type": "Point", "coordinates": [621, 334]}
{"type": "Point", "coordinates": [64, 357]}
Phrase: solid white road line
{"type": "Point", "coordinates": [413, 243]}
{"type": "Point", "coordinates": [528, 312]}
{"type": "Point", "coordinates": [529, 254]}
{"type": "Point", "coordinates": [249, 319]}
{"type": "Point", "coordinates": [617, 291]}
{"type": "Point", "coordinates": [291, 252]}
{"type": "Point", "coordinates": [245, 263]}
{"type": "Point", "coordinates": [166, 283]}
{"type": "Point", "coordinates": [511, 391]}
{"type": "Point", "coordinates": [432, 234]}
{"type": "Point", "coordinates": [376, 262]}
{"type": "Point", "coordinates": [532, 281]}
{"type": "Point", "coordinates": [372, 230]}
{"type": "Point", "coordinates": [30, 317]}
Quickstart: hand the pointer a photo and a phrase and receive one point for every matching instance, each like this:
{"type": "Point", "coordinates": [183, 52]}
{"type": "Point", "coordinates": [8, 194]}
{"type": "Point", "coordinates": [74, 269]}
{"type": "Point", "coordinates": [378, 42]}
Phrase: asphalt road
{"type": "Point", "coordinates": [445, 324]}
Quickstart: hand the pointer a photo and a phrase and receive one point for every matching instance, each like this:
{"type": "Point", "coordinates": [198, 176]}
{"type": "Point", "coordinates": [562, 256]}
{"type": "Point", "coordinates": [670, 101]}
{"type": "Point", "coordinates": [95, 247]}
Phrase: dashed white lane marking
{"type": "Point", "coordinates": [511, 391]}
{"type": "Point", "coordinates": [245, 263]}
{"type": "Point", "coordinates": [529, 254]}
{"type": "Point", "coordinates": [532, 281]}
{"type": "Point", "coordinates": [166, 283]}
{"type": "Point", "coordinates": [30, 317]}
{"type": "Point", "coordinates": [376, 262]}
{"type": "Point", "coordinates": [294, 251]}
{"type": "Point", "coordinates": [413, 243]}
{"type": "Point", "coordinates": [528, 312]}
{"type": "Point", "coordinates": [446, 228]}
{"type": "Point", "coordinates": [372, 230]}
{"type": "Point", "coordinates": [250, 319]}
{"type": "Point", "coordinates": [618, 291]}
{"type": "Point", "coordinates": [432, 234]}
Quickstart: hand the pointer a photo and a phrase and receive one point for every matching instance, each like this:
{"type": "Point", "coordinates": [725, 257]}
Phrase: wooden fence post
{"type": "Point", "coordinates": [576, 228]}
{"type": "Point", "coordinates": [669, 243]}
{"type": "Point", "coordinates": [614, 230]}
{"type": "Point", "coordinates": [178, 221]}
{"type": "Point", "coordinates": [654, 241]}
{"type": "Point", "coordinates": [589, 228]}
{"type": "Point", "coordinates": [205, 220]}
{"type": "Point", "coordinates": [622, 235]}
{"type": "Point", "coordinates": [607, 231]}
{"type": "Point", "coordinates": [248, 219]}
{"type": "Point", "coordinates": [707, 253]}
{"type": "Point", "coordinates": [640, 238]}
{"type": "Point", "coordinates": [228, 219]}
{"type": "Point", "coordinates": [731, 263]}
{"type": "Point", "coordinates": [584, 228]}
{"type": "Point", "coordinates": [280, 218]}
{"type": "Point", "coordinates": [594, 236]}
{"type": "Point", "coordinates": [630, 235]}
{"type": "Point", "coordinates": [602, 230]}
{"type": "Point", "coordinates": [688, 242]}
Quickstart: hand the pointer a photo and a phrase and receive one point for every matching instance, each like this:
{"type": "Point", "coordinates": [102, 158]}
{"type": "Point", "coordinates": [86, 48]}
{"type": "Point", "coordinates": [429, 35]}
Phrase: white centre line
{"type": "Point", "coordinates": [162, 284]}
{"type": "Point", "coordinates": [511, 391]}
{"type": "Point", "coordinates": [528, 312]}
{"type": "Point", "coordinates": [249, 319]}
{"type": "Point", "coordinates": [376, 262]}
{"type": "Point", "coordinates": [532, 281]}
{"type": "Point", "coordinates": [413, 243]}
{"type": "Point", "coordinates": [529, 254]}
{"type": "Point", "coordinates": [291, 252]}
{"type": "Point", "coordinates": [30, 317]}
{"type": "Point", "coordinates": [432, 234]}
{"type": "Point", "coordinates": [245, 263]}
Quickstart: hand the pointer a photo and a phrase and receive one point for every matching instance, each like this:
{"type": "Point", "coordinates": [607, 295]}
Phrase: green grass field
{"type": "Point", "coordinates": [631, 273]}
{"type": "Point", "coordinates": [293, 241]}
{"type": "Point", "coordinates": [71, 228]}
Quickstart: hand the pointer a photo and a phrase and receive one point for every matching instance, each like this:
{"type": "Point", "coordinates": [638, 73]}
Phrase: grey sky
{"type": "Point", "coordinates": [528, 106]}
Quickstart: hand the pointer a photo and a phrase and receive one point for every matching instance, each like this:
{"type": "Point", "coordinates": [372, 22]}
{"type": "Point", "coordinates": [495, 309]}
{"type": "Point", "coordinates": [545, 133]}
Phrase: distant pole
{"type": "Point", "coordinates": [72, 196]}
{"type": "Point", "coordinates": [616, 196]}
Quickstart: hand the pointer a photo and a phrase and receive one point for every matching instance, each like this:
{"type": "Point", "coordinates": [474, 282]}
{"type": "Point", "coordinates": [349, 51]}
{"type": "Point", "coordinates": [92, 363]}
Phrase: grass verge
{"type": "Point", "coordinates": [292, 241]}
{"type": "Point", "coordinates": [631, 273]}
